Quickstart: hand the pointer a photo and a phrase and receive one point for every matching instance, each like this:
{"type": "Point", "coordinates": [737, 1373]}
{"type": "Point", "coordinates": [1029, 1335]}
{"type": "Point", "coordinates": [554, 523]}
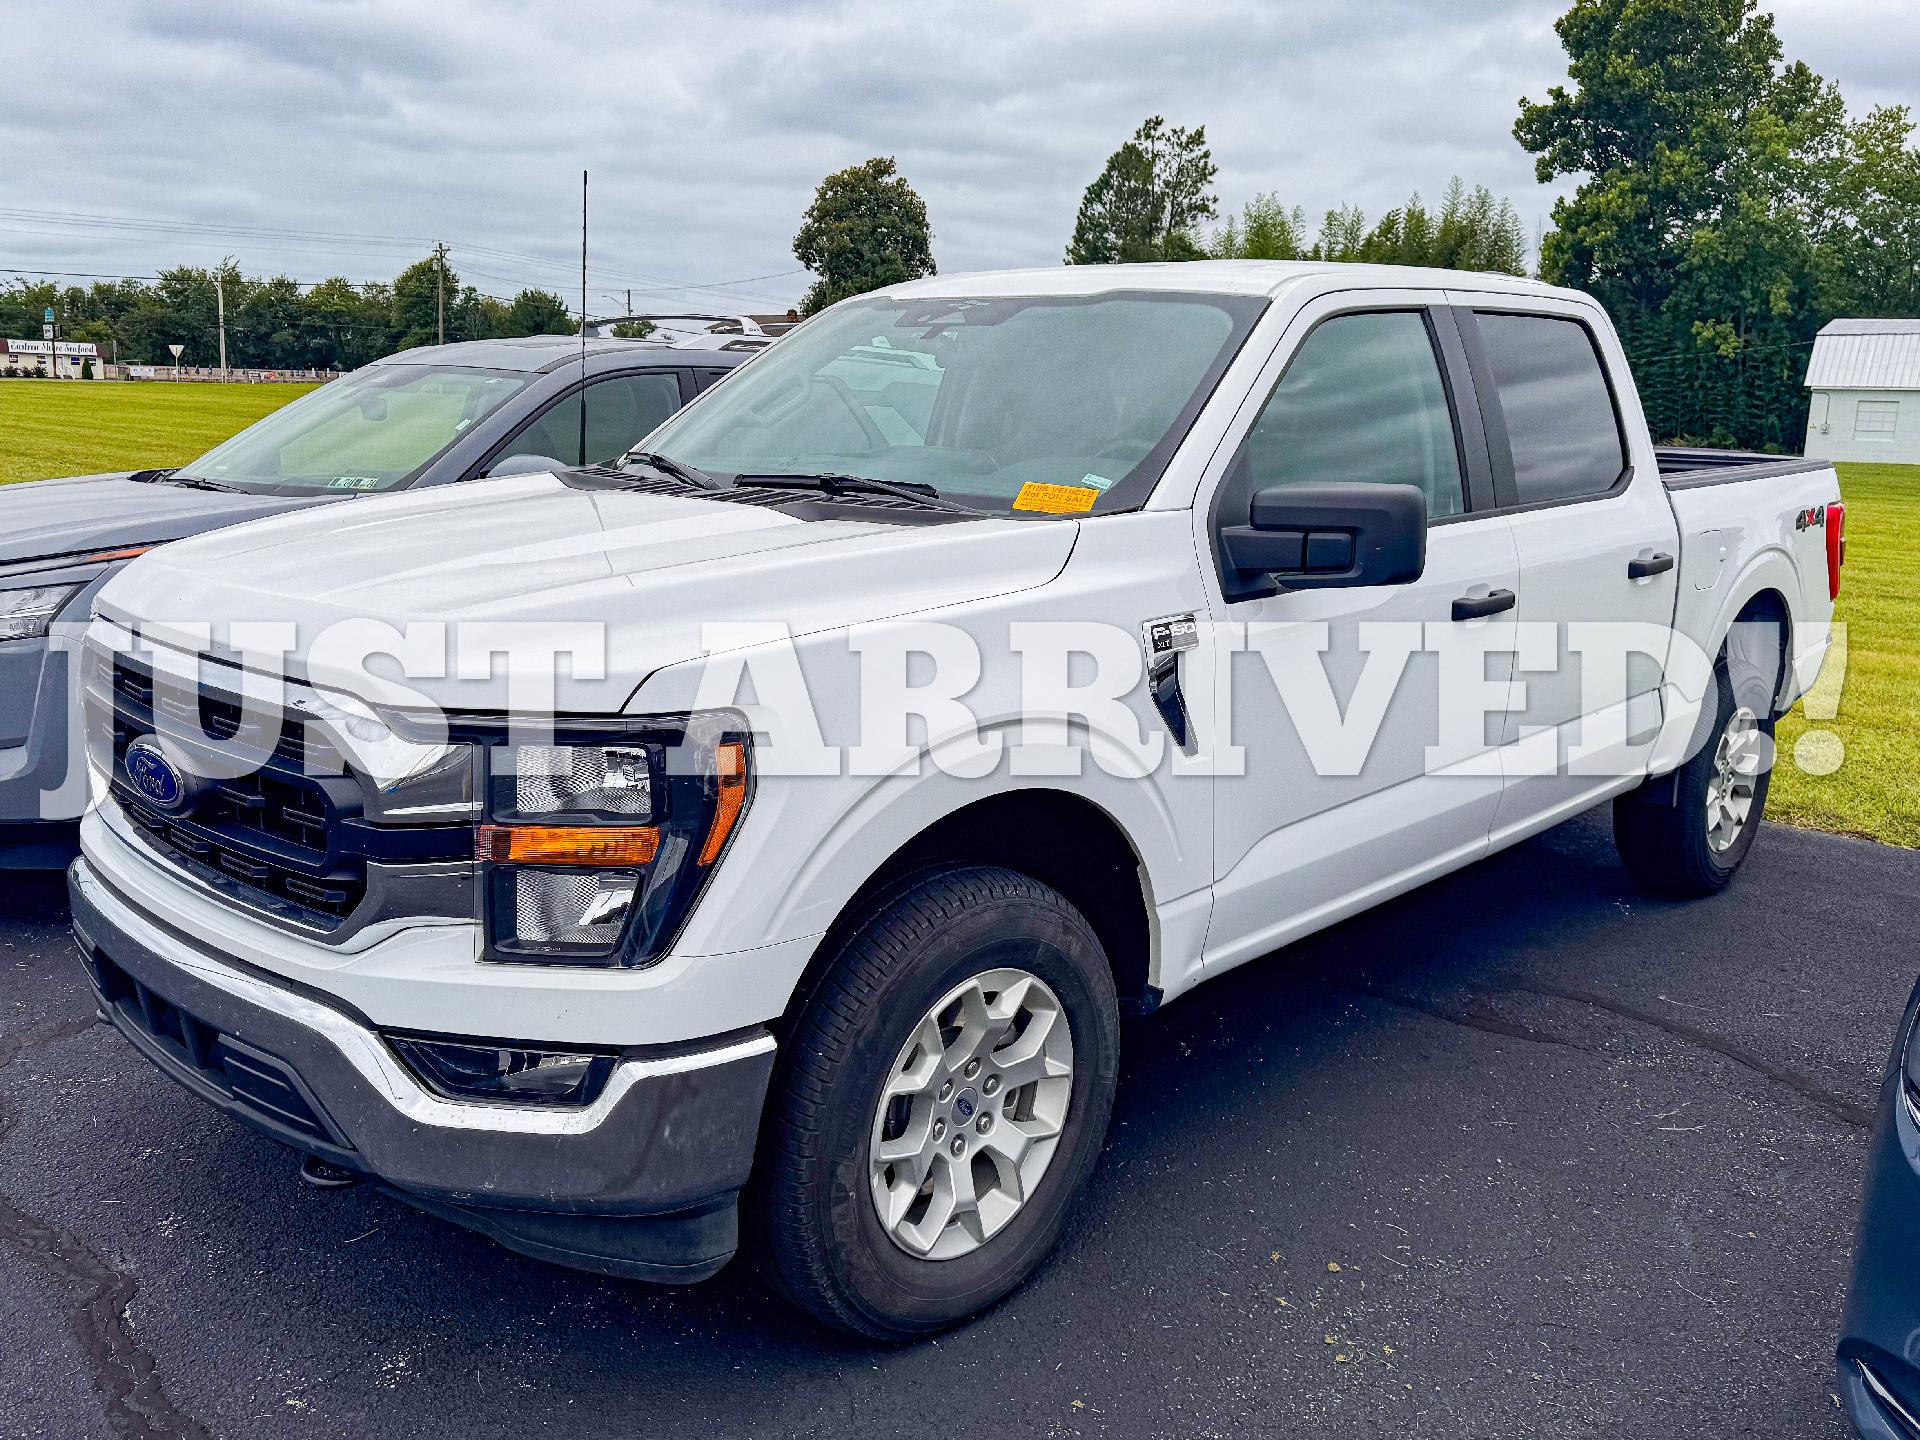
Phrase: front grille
{"type": "Point", "coordinates": [270, 834]}
{"type": "Point", "coordinates": [222, 718]}
{"type": "Point", "coordinates": [264, 1088]}
{"type": "Point", "coordinates": [324, 901]}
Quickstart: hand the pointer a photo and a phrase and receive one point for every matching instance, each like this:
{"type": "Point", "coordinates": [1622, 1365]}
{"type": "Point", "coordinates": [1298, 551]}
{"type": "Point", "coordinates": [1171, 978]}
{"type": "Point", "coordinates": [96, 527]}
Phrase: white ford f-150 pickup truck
{"type": "Point", "coordinates": [780, 820]}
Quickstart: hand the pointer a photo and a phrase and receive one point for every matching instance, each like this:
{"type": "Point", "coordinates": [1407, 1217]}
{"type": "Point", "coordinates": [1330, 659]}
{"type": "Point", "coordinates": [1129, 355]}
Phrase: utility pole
{"type": "Point", "coordinates": [629, 300]}
{"type": "Point", "coordinates": [220, 301]}
{"type": "Point", "coordinates": [439, 292]}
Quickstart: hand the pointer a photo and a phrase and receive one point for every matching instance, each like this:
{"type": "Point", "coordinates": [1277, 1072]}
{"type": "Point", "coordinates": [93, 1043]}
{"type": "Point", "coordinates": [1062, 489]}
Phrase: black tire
{"type": "Point", "coordinates": [1661, 829]}
{"type": "Point", "coordinates": [824, 1246]}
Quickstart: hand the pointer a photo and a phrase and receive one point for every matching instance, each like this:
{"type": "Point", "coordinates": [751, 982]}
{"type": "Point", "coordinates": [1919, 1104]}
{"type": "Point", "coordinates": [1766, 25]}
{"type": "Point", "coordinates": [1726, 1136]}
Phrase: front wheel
{"type": "Point", "coordinates": [943, 1098]}
{"type": "Point", "coordinates": [1693, 846]}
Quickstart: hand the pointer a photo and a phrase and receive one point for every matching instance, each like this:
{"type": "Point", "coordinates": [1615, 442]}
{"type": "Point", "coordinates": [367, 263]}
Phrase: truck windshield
{"type": "Point", "coordinates": [1056, 404]}
{"type": "Point", "coordinates": [375, 429]}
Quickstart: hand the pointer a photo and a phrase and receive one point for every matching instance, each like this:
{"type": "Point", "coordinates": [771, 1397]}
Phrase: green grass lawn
{"type": "Point", "coordinates": [76, 427]}
{"type": "Point", "coordinates": [1876, 789]}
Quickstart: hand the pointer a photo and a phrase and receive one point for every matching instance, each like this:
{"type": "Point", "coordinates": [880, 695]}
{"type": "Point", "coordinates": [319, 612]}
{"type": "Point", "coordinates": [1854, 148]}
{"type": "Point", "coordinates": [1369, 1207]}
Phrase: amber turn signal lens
{"type": "Point", "coordinates": [126, 554]}
{"type": "Point", "coordinates": [730, 763]}
{"type": "Point", "coordinates": [628, 845]}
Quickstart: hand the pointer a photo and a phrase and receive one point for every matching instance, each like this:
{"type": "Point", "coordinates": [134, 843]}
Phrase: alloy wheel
{"type": "Point", "coordinates": [971, 1114]}
{"type": "Point", "coordinates": [1731, 785]}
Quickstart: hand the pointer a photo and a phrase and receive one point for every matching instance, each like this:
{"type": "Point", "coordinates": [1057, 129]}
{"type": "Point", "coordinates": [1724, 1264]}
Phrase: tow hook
{"type": "Point", "coordinates": [325, 1175]}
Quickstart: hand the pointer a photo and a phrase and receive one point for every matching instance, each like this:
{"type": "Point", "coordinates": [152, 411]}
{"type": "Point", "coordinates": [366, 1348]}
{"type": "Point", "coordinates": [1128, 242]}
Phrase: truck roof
{"type": "Point", "coordinates": [1222, 277]}
{"type": "Point", "coordinates": [530, 353]}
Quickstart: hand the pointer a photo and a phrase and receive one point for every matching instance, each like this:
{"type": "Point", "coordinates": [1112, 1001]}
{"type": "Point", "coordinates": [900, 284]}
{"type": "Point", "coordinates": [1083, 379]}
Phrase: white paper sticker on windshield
{"type": "Point", "coordinates": [1097, 482]}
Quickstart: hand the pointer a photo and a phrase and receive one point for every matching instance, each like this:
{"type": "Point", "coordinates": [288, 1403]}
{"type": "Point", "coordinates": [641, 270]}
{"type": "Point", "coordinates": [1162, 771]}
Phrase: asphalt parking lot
{"type": "Point", "coordinates": [1586, 1165]}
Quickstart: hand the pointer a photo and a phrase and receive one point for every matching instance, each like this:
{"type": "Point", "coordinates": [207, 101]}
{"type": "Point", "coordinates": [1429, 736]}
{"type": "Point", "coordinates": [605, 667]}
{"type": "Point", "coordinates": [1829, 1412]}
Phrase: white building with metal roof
{"type": "Point", "coordinates": [1865, 379]}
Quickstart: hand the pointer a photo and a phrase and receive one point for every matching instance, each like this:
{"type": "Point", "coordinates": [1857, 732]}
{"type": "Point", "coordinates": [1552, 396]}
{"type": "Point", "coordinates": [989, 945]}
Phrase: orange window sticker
{"type": "Point", "coordinates": [1055, 499]}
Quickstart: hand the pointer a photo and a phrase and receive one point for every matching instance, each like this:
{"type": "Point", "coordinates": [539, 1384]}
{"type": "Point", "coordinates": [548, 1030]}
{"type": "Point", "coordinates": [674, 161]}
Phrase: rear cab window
{"type": "Point", "coordinates": [1561, 421]}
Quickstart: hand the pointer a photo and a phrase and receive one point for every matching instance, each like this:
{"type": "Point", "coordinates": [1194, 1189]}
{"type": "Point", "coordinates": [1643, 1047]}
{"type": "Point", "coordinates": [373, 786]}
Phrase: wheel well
{"type": "Point", "coordinates": [1060, 840]}
{"type": "Point", "coordinates": [1768, 608]}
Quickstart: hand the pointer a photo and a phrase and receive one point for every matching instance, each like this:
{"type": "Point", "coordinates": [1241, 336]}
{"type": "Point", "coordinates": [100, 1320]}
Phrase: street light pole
{"type": "Point", "coordinates": [220, 301]}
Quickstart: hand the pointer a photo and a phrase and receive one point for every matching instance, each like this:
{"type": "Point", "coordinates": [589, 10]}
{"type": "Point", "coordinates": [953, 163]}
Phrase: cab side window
{"type": "Point", "coordinates": [1363, 400]}
{"type": "Point", "coordinates": [620, 411]}
{"type": "Point", "coordinates": [1559, 411]}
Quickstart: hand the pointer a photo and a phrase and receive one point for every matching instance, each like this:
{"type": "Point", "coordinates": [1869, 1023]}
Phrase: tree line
{"type": "Point", "coordinates": [1728, 207]}
{"type": "Point", "coordinates": [867, 227]}
{"type": "Point", "coordinates": [277, 323]}
{"type": "Point", "coordinates": [1151, 199]}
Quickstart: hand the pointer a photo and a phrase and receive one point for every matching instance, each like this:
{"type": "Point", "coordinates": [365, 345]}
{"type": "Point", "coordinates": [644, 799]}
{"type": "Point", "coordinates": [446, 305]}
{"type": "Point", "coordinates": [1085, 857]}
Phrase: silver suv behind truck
{"type": "Point", "coordinates": [430, 416]}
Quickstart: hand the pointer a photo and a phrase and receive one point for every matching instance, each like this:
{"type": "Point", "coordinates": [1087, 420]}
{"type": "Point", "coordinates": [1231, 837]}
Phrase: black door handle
{"type": "Point", "coordinates": [1643, 569]}
{"type": "Point", "coordinates": [1478, 607]}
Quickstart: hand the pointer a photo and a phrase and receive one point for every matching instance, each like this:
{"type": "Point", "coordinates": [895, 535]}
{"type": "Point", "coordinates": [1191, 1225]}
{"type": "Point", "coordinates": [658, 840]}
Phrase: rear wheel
{"type": "Point", "coordinates": [1693, 846]}
{"type": "Point", "coordinates": [941, 1103]}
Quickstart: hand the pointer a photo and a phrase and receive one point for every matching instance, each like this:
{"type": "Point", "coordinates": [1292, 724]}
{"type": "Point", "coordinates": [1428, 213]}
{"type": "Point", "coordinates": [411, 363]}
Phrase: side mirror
{"type": "Point", "coordinates": [522, 465]}
{"type": "Point", "coordinates": [1319, 536]}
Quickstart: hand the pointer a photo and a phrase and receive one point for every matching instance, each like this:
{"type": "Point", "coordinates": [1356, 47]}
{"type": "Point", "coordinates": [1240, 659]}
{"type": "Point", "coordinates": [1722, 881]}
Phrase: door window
{"type": "Point", "coordinates": [1559, 411]}
{"type": "Point", "coordinates": [621, 410]}
{"type": "Point", "coordinates": [1362, 400]}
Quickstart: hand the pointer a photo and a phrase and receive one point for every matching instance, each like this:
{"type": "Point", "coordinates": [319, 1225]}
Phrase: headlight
{"type": "Point", "coordinates": [594, 849]}
{"type": "Point", "coordinates": [26, 614]}
{"type": "Point", "coordinates": [583, 780]}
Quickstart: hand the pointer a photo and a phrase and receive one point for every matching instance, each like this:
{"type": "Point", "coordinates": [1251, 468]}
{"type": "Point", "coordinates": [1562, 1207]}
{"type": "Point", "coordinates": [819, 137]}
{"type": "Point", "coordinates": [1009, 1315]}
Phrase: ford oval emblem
{"type": "Point", "coordinates": [155, 776]}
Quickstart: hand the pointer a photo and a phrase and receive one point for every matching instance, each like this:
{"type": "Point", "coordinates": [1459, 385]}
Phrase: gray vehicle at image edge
{"type": "Point", "coordinates": [428, 416]}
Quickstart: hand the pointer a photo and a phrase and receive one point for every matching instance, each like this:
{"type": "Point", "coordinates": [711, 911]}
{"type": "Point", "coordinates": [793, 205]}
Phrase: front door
{"type": "Point", "coordinates": [1368, 716]}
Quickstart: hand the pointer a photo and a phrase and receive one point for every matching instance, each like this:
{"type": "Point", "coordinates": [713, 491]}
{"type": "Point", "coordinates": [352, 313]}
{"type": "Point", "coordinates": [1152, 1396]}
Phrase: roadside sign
{"type": "Point", "coordinates": [46, 331]}
{"type": "Point", "coordinates": [176, 349]}
{"type": "Point", "coordinates": [47, 315]}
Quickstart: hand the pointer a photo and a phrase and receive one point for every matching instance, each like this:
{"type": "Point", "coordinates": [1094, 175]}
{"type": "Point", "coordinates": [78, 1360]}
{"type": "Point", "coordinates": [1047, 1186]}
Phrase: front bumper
{"type": "Point", "coordinates": [642, 1182]}
{"type": "Point", "coordinates": [1879, 1354]}
{"type": "Point", "coordinates": [42, 769]}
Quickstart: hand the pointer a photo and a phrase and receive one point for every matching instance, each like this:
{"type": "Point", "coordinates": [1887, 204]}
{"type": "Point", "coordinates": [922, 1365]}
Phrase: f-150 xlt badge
{"type": "Point", "coordinates": [1163, 640]}
{"type": "Point", "coordinates": [1163, 637]}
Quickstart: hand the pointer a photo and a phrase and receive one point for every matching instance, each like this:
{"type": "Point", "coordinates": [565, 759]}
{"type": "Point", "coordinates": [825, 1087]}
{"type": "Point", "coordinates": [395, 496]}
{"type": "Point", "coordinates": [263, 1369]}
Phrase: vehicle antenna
{"type": "Point", "coordinates": [583, 317]}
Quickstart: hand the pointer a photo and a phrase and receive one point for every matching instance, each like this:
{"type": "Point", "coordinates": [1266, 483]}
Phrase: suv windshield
{"type": "Point", "coordinates": [375, 429]}
{"type": "Point", "coordinates": [1051, 404]}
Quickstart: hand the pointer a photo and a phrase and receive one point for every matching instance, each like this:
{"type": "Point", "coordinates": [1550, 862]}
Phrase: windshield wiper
{"type": "Point", "coordinates": [830, 483]}
{"type": "Point", "coordinates": [191, 482]}
{"type": "Point", "coordinates": [669, 466]}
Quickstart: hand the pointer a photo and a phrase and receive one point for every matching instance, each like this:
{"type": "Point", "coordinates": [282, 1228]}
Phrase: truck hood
{"type": "Point", "coordinates": [49, 519]}
{"type": "Point", "coordinates": [652, 569]}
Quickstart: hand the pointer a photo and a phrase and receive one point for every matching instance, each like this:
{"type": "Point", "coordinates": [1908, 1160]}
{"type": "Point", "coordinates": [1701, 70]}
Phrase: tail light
{"type": "Point", "coordinates": [1836, 546]}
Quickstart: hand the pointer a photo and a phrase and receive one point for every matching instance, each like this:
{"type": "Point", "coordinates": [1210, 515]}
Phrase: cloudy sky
{"type": "Point", "coordinates": [328, 137]}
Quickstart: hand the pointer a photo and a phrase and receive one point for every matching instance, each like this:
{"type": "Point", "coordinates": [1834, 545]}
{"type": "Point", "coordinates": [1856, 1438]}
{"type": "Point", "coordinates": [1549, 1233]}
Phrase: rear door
{"type": "Point", "coordinates": [1598, 552]}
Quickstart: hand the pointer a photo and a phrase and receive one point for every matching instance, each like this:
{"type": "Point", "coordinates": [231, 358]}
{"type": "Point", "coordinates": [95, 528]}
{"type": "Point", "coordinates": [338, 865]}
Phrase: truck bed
{"type": "Point", "coordinates": [1684, 467]}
